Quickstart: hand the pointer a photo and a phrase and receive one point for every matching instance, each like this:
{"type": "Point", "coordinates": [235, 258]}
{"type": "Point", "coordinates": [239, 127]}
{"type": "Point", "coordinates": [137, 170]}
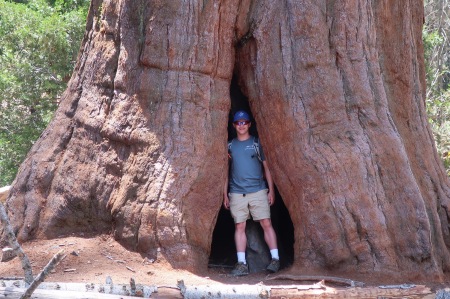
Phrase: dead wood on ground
{"type": "Point", "coordinates": [44, 273]}
{"type": "Point", "coordinates": [331, 279]}
{"type": "Point", "coordinates": [12, 240]}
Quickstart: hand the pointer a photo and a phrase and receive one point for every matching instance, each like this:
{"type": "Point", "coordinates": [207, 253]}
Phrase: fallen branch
{"type": "Point", "coordinates": [316, 286]}
{"type": "Point", "coordinates": [331, 279]}
{"type": "Point", "coordinates": [11, 278]}
{"type": "Point", "coordinates": [404, 286]}
{"type": "Point", "coordinates": [132, 287]}
{"type": "Point", "coordinates": [44, 273]}
{"type": "Point", "coordinates": [180, 291]}
{"type": "Point", "coordinates": [96, 290]}
{"type": "Point", "coordinates": [26, 266]}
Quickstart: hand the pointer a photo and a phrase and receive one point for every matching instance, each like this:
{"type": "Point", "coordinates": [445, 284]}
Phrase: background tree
{"type": "Point", "coordinates": [138, 144]}
{"type": "Point", "coordinates": [39, 42]}
{"type": "Point", "coordinates": [437, 57]}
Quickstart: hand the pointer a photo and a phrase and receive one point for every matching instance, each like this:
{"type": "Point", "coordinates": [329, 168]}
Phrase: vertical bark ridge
{"type": "Point", "coordinates": [408, 112]}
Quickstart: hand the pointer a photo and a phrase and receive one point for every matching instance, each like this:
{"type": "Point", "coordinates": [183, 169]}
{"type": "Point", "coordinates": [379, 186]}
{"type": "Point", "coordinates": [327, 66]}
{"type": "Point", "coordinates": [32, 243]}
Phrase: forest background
{"type": "Point", "coordinates": [40, 40]}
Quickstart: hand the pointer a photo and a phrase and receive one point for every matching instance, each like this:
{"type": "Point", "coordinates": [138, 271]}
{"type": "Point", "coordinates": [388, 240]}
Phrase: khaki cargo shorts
{"type": "Point", "coordinates": [256, 204]}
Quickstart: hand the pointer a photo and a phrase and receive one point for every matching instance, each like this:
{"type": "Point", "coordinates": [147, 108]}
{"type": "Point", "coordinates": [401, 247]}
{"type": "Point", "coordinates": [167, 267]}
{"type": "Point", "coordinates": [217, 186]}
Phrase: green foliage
{"type": "Point", "coordinates": [437, 62]}
{"type": "Point", "coordinates": [438, 109]}
{"type": "Point", "coordinates": [431, 40]}
{"type": "Point", "coordinates": [39, 42]}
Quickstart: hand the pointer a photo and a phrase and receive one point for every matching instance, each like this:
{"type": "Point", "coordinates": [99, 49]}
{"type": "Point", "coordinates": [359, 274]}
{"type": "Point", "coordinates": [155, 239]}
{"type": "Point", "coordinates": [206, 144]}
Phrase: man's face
{"type": "Point", "coordinates": [242, 126]}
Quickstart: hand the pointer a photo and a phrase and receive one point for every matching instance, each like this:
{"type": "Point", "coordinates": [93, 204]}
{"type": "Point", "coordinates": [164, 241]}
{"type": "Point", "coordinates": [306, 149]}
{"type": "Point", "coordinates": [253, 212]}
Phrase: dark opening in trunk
{"type": "Point", "coordinates": [223, 250]}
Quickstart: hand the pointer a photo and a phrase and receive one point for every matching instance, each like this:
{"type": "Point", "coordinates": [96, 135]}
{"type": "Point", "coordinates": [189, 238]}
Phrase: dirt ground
{"type": "Point", "coordinates": [93, 259]}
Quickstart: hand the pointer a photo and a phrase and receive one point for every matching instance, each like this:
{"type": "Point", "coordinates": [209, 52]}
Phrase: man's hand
{"type": "Point", "coordinates": [271, 194]}
{"type": "Point", "coordinates": [226, 202]}
{"type": "Point", "coordinates": [271, 197]}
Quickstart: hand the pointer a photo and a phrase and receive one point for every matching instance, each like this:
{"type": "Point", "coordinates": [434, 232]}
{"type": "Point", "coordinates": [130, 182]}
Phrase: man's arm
{"type": "Point", "coordinates": [226, 200]}
{"type": "Point", "coordinates": [271, 193]}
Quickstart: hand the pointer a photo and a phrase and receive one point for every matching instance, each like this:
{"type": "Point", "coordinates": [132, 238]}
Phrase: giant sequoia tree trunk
{"type": "Point", "coordinates": [337, 88]}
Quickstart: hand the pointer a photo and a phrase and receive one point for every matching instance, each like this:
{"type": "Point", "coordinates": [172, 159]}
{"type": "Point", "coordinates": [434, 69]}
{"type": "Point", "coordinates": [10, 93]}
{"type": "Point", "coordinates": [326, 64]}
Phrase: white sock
{"type": "Point", "coordinates": [241, 257]}
{"type": "Point", "coordinates": [274, 253]}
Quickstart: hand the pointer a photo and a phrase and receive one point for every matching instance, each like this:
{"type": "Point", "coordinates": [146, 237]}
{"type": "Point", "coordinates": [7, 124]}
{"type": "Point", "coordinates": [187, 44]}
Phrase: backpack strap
{"type": "Point", "coordinates": [229, 148]}
{"type": "Point", "coordinates": [257, 148]}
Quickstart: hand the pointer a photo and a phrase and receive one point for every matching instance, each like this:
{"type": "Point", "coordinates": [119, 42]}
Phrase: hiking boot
{"type": "Point", "coordinates": [240, 269]}
{"type": "Point", "coordinates": [273, 266]}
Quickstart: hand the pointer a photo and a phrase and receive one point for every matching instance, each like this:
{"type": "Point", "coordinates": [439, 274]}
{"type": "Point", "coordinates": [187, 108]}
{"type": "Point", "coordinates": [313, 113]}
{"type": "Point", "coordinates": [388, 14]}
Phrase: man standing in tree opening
{"type": "Point", "coordinates": [248, 193]}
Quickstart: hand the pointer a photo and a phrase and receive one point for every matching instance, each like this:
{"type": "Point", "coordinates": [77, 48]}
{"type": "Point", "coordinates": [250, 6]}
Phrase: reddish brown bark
{"type": "Point", "coordinates": [336, 87]}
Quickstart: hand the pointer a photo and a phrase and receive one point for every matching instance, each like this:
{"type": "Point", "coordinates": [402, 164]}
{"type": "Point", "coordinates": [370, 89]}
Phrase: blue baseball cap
{"type": "Point", "coordinates": [241, 114]}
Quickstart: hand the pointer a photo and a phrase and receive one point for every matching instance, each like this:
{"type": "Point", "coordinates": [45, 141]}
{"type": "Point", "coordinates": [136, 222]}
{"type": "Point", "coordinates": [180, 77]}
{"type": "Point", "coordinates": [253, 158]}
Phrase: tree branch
{"type": "Point", "coordinates": [338, 280]}
{"type": "Point", "coordinates": [26, 266]}
{"type": "Point", "coordinates": [41, 277]}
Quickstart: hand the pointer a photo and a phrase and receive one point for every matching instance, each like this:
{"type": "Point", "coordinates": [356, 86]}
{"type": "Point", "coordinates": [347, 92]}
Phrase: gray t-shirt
{"type": "Point", "coordinates": [246, 172]}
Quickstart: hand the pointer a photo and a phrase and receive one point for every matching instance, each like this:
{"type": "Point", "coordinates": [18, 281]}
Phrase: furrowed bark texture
{"type": "Point", "coordinates": [139, 140]}
{"type": "Point", "coordinates": [336, 87]}
{"type": "Point", "coordinates": [344, 81]}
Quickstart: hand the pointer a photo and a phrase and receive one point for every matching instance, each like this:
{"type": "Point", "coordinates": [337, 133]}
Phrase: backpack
{"type": "Point", "coordinates": [256, 147]}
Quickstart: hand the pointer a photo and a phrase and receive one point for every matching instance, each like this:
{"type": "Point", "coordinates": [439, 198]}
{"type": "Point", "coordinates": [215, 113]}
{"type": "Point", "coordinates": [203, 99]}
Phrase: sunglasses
{"type": "Point", "coordinates": [241, 123]}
